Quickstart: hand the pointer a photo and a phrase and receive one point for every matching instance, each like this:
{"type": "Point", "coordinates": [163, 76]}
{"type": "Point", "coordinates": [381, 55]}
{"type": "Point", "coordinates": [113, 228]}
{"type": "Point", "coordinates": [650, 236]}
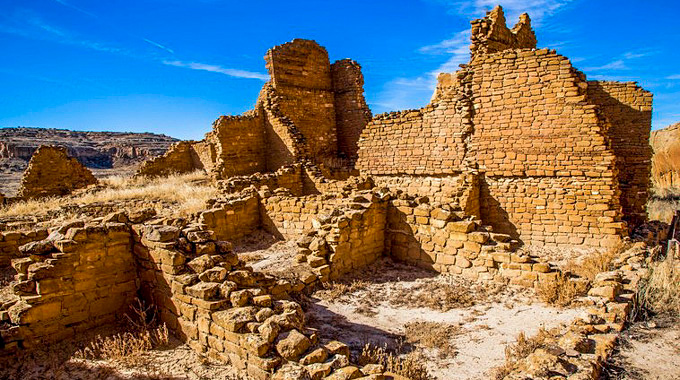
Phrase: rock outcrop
{"type": "Point", "coordinates": [93, 149]}
{"type": "Point", "coordinates": [666, 160]}
{"type": "Point", "coordinates": [52, 172]}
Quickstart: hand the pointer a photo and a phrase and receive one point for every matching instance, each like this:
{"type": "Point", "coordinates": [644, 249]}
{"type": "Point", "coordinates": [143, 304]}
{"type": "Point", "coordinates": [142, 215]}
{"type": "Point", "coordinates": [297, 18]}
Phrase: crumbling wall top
{"type": "Point", "coordinates": [299, 63]}
{"type": "Point", "coordinates": [490, 34]}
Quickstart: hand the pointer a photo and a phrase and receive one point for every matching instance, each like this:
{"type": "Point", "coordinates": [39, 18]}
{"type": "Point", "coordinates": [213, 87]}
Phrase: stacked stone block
{"type": "Point", "coordinates": [239, 143]}
{"type": "Point", "coordinates": [10, 242]}
{"type": "Point", "coordinates": [52, 172]}
{"type": "Point", "coordinates": [77, 279]}
{"type": "Point", "coordinates": [555, 170]}
{"type": "Point", "coordinates": [351, 237]}
{"type": "Point", "coordinates": [234, 218]}
{"type": "Point", "coordinates": [179, 159]}
{"type": "Point", "coordinates": [287, 177]}
{"type": "Point", "coordinates": [227, 311]}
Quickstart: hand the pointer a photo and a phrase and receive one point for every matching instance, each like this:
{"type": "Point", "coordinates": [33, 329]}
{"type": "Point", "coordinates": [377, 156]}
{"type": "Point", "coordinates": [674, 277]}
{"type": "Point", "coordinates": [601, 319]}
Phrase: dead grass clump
{"type": "Point", "coordinates": [561, 292]}
{"type": "Point", "coordinates": [129, 348]}
{"type": "Point", "coordinates": [433, 335]}
{"type": "Point", "coordinates": [521, 349]}
{"type": "Point", "coordinates": [334, 291]}
{"type": "Point", "coordinates": [433, 295]}
{"type": "Point", "coordinates": [659, 289]}
{"type": "Point", "coordinates": [591, 265]}
{"type": "Point", "coordinates": [408, 365]}
{"type": "Point", "coordinates": [662, 204]}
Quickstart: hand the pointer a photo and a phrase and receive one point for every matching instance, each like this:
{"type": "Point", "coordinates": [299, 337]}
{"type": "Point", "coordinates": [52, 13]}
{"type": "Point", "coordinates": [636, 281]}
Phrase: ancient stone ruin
{"type": "Point", "coordinates": [516, 148]}
{"type": "Point", "coordinates": [560, 160]}
{"type": "Point", "coordinates": [52, 172]}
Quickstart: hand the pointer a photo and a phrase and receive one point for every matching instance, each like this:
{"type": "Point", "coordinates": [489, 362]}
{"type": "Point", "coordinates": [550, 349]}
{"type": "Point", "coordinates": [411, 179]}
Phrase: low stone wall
{"type": "Point", "coordinates": [350, 238]}
{"type": "Point", "coordinates": [460, 190]}
{"type": "Point", "coordinates": [581, 350]}
{"type": "Point", "coordinates": [223, 309]}
{"type": "Point", "coordinates": [11, 241]}
{"type": "Point", "coordinates": [289, 217]}
{"type": "Point", "coordinates": [69, 284]}
{"type": "Point", "coordinates": [288, 177]}
{"type": "Point", "coordinates": [180, 158]}
{"type": "Point", "coordinates": [234, 218]}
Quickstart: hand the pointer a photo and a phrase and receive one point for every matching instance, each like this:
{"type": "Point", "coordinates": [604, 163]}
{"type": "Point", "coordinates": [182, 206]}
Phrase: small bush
{"type": "Point", "coordinates": [560, 292]}
{"type": "Point", "coordinates": [409, 365]}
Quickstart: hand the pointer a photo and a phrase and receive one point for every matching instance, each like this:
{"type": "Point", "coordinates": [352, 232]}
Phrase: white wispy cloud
{"type": "Point", "coordinates": [237, 73]}
{"type": "Point", "coordinates": [619, 64]}
{"type": "Point", "coordinates": [673, 77]}
{"type": "Point", "coordinates": [457, 48]}
{"type": "Point", "coordinates": [156, 44]}
{"type": "Point", "coordinates": [69, 5]}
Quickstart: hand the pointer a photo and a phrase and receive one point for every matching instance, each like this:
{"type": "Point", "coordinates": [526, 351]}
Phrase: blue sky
{"type": "Point", "coordinates": [173, 66]}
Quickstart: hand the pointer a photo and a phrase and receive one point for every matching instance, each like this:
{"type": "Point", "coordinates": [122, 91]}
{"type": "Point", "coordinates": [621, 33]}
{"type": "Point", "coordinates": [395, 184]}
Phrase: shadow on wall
{"type": "Point", "coordinates": [492, 213]}
{"type": "Point", "coordinates": [278, 154]}
{"type": "Point", "coordinates": [401, 242]}
{"type": "Point", "coordinates": [628, 110]}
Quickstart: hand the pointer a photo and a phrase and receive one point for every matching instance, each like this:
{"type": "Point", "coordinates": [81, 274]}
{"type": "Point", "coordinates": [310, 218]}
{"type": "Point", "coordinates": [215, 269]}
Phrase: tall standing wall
{"type": "Point", "coordinates": [628, 108]}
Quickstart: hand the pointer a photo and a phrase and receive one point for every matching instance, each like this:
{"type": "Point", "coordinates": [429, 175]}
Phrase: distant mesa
{"type": "Point", "coordinates": [100, 150]}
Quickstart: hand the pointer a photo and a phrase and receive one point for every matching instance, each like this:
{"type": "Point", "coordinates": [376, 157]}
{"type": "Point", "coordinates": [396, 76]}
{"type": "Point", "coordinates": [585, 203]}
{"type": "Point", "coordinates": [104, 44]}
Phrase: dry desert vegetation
{"type": "Point", "coordinates": [507, 230]}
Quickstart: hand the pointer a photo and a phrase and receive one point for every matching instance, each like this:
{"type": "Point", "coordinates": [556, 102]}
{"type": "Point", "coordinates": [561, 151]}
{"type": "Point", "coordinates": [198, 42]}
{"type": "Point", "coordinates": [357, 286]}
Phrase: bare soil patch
{"type": "Point", "coordinates": [648, 351]}
{"type": "Point", "coordinates": [462, 336]}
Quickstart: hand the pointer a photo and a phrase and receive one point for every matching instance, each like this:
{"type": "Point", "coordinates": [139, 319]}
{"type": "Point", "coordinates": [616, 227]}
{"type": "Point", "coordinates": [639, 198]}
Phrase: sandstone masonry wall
{"type": "Point", "coordinates": [51, 172]}
{"type": "Point", "coordinates": [180, 158]}
{"type": "Point", "coordinates": [70, 284]}
{"type": "Point", "coordinates": [233, 219]}
{"type": "Point", "coordinates": [11, 241]}
{"type": "Point", "coordinates": [351, 111]}
{"type": "Point", "coordinates": [301, 77]}
{"type": "Point", "coordinates": [239, 143]}
{"type": "Point", "coordinates": [289, 217]}
{"type": "Point", "coordinates": [542, 141]}
{"type": "Point", "coordinates": [628, 109]}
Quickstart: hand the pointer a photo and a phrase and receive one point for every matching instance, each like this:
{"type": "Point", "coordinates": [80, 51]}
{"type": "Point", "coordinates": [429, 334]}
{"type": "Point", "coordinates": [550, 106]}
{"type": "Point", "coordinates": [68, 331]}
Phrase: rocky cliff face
{"type": "Point", "coordinates": [666, 160]}
{"type": "Point", "coordinates": [93, 149]}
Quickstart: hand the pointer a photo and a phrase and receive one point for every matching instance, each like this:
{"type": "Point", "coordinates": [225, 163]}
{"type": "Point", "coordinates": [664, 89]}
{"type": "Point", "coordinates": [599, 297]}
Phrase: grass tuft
{"type": "Point", "coordinates": [408, 365]}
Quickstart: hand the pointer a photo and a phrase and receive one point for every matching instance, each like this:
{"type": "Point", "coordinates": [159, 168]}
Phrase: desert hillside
{"type": "Point", "coordinates": [666, 161]}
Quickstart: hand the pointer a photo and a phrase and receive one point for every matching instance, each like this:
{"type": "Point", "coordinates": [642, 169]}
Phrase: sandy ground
{"type": "Point", "coordinates": [648, 351]}
{"type": "Point", "coordinates": [378, 312]}
{"type": "Point", "coordinates": [177, 362]}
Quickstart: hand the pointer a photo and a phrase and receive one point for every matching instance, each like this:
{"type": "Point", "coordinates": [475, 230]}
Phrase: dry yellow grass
{"type": "Point", "coordinates": [187, 192]}
{"type": "Point", "coordinates": [129, 348]}
{"type": "Point", "coordinates": [433, 335]}
{"type": "Point", "coordinates": [658, 291]}
{"type": "Point", "coordinates": [560, 292]}
{"type": "Point", "coordinates": [409, 365]}
{"type": "Point", "coordinates": [662, 204]}
{"type": "Point", "coordinates": [518, 351]}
